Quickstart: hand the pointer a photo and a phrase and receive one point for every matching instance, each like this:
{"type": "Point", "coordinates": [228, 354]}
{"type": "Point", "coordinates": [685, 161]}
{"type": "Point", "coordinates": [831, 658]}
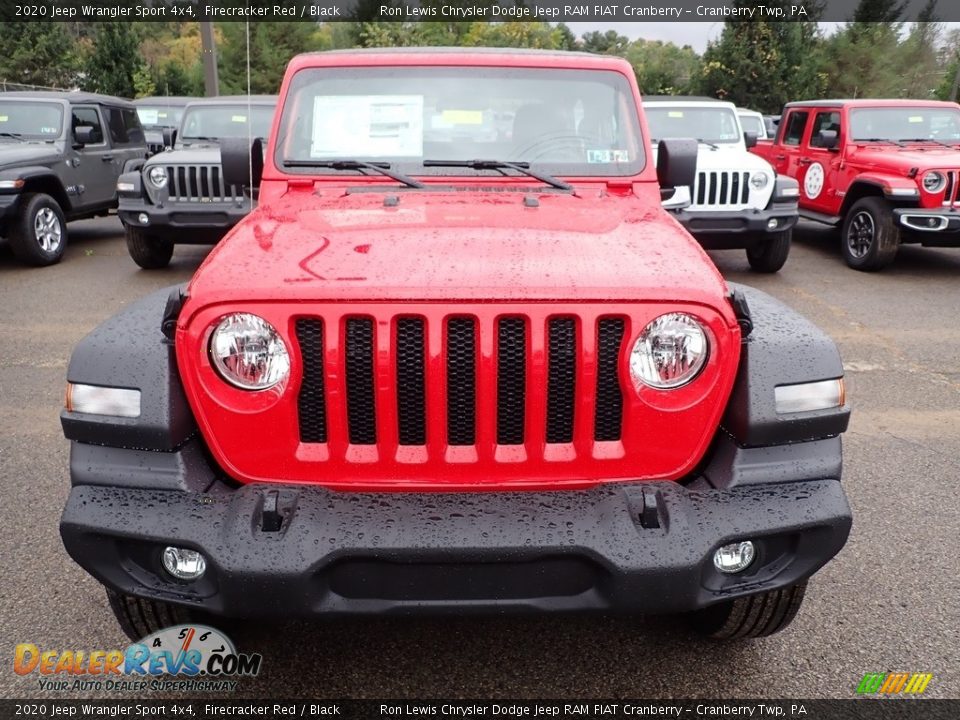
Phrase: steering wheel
{"type": "Point", "coordinates": [558, 147]}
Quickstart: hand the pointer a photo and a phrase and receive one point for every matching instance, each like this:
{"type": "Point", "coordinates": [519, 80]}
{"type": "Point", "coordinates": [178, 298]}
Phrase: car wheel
{"type": "Point", "coordinates": [870, 235]}
{"type": "Point", "coordinates": [753, 616]}
{"type": "Point", "coordinates": [148, 251]}
{"type": "Point", "coordinates": [139, 617]}
{"type": "Point", "coordinates": [39, 235]}
{"type": "Point", "coordinates": [770, 253]}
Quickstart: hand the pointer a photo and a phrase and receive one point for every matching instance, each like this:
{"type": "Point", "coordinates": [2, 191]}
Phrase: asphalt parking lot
{"type": "Point", "coordinates": [888, 602]}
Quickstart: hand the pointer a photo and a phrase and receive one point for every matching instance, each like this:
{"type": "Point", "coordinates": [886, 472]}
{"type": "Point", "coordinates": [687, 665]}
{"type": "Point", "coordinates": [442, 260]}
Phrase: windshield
{"type": "Point", "coordinates": [159, 115]}
{"type": "Point", "coordinates": [572, 122]}
{"type": "Point", "coordinates": [753, 124]}
{"type": "Point", "coordinates": [226, 121]}
{"type": "Point", "coordinates": [710, 124]}
{"type": "Point", "coordinates": [905, 123]}
{"type": "Point", "coordinates": [31, 120]}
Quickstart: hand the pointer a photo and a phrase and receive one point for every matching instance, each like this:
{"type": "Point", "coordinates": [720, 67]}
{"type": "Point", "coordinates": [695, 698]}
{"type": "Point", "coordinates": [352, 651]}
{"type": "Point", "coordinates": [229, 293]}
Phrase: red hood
{"type": "Point", "coordinates": [459, 245]}
{"type": "Point", "coordinates": [920, 156]}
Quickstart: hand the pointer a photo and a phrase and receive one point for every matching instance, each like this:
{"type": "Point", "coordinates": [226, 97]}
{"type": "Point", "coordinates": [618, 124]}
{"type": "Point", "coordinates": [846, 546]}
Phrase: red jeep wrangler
{"type": "Point", "coordinates": [458, 359]}
{"type": "Point", "coordinates": [887, 170]}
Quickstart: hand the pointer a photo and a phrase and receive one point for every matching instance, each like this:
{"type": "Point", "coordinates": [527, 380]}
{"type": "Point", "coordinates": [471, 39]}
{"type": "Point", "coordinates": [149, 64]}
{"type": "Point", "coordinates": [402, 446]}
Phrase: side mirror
{"type": "Point", "coordinates": [237, 158]}
{"type": "Point", "coordinates": [169, 136]}
{"type": "Point", "coordinates": [827, 139]}
{"type": "Point", "coordinates": [750, 138]}
{"type": "Point", "coordinates": [677, 162]}
{"type": "Point", "coordinates": [83, 134]}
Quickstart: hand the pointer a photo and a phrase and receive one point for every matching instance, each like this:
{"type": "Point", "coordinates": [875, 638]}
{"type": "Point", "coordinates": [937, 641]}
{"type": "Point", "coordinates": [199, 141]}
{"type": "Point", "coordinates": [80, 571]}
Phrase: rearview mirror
{"type": "Point", "coordinates": [239, 159]}
{"type": "Point", "coordinates": [750, 138]}
{"type": "Point", "coordinates": [677, 162]}
{"type": "Point", "coordinates": [169, 136]}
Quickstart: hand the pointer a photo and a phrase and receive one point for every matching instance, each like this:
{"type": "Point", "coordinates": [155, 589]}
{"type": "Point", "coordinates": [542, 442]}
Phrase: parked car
{"type": "Point", "coordinates": [180, 196]}
{"type": "Point", "coordinates": [885, 171]}
{"type": "Point", "coordinates": [160, 117]}
{"type": "Point", "coordinates": [738, 202]}
{"type": "Point", "coordinates": [752, 122]}
{"type": "Point", "coordinates": [412, 382]}
{"type": "Point", "coordinates": [771, 122]}
{"type": "Point", "coordinates": [60, 157]}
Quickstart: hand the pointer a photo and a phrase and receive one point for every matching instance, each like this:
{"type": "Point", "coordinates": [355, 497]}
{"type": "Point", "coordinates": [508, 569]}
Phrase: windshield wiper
{"type": "Point", "coordinates": [200, 138]}
{"type": "Point", "coordinates": [928, 140]}
{"type": "Point", "coordinates": [380, 167]}
{"type": "Point", "coordinates": [886, 140]}
{"type": "Point", "coordinates": [708, 143]}
{"type": "Point", "coordinates": [521, 167]}
{"type": "Point", "coordinates": [15, 136]}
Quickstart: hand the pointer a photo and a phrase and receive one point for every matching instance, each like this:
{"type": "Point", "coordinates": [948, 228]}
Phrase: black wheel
{"type": "Point", "coordinates": [750, 617]}
{"type": "Point", "coordinates": [870, 235]}
{"type": "Point", "coordinates": [770, 253]}
{"type": "Point", "coordinates": [148, 251]}
{"type": "Point", "coordinates": [139, 618]}
{"type": "Point", "coordinates": [39, 235]}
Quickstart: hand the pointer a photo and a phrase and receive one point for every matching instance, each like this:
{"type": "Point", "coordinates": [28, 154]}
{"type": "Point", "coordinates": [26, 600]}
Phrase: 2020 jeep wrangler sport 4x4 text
{"type": "Point", "coordinates": [886, 171]}
{"type": "Point", "coordinates": [458, 359]}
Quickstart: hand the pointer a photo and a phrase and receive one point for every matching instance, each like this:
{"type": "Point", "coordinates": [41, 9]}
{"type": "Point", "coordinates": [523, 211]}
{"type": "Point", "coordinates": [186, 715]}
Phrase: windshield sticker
{"type": "Point", "coordinates": [608, 156]}
{"type": "Point", "coordinates": [47, 130]}
{"type": "Point", "coordinates": [4, 118]}
{"type": "Point", "coordinates": [367, 126]}
{"type": "Point", "coordinates": [915, 119]}
{"type": "Point", "coordinates": [675, 113]}
{"type": "Point", "coordinates": [239, 118]}
{"type": "Point", "coordinates": [462, 117]}
{"type": "Point", "coordinates": [148, 117]}
{"type": "Point", "coordinates": [161, 114]}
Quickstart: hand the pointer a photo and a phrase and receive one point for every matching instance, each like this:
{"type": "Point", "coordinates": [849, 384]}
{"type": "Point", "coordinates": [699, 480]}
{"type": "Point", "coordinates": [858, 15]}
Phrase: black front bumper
{"type": "Point", "coordinates": [639, 547]}
{"type": "Point", "coordinates": [934, 227]}
{"type": "Point", "coordinates": [739, 222]}
{"type": "Point", "coordinates": [199, 216]}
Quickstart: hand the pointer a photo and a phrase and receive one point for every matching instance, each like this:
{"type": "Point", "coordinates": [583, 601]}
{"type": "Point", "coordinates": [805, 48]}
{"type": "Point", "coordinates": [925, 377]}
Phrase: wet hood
{"type": "Point", "coordinates": [13, 154]}
{"type": "Point", "coordinates": [469, 245]}
{"type": "Point", "coordinates": [890, 157]}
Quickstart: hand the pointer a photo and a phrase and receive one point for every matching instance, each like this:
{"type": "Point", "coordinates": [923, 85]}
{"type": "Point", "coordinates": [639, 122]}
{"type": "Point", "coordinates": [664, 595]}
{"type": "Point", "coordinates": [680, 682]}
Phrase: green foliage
{"type": "Point", "coordinates": [272, 44]}
{"type": "Point", "coordinates": [605, 43]}
{"type": "Point", "coordinates": [113, 59]}
{"type": "Point", "coordinates": [38, 53]}
{"type": "Point", "coordinates": [662, 68]}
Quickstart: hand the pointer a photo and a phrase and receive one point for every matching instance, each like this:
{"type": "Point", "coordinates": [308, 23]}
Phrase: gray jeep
{"type": "Point", "coordinates": [60, 156]}
{"type": "Point", "coordinates": [180, 195]}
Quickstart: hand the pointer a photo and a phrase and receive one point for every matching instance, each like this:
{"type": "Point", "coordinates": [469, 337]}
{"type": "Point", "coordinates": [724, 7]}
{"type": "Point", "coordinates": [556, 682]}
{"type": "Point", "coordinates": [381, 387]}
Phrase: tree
{"type": "Point", "coordinates": [608, 43]}
{"type": "Point", "coordinates": [113, 60]}
{"type": "Point", "coordinates": [517, 34]}
{"type": "Point", "coordinates": [864, 58]}
{"type": "Point", "coordinates": [662, 68]}
{"type": "Point", "coordinates": [38, 53]}
{"type": "Point", "coordinates": [761, 64]}
{"type": "Point", "coordinates": [919, 54]}
{"type": "Point", "coordinates": [272, 44]}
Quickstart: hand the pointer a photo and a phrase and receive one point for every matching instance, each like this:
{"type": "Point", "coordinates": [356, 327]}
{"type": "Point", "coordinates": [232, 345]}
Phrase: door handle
{"type": "Point", "coordinates": [107, 158]}
{"type": "Point", "coordinates": [780, 157]}
{"type": "Point", "coordinates": [804, 161]}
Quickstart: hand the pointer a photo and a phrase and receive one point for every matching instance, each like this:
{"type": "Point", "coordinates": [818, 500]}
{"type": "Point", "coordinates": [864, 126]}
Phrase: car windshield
{"type": "Point", "coordinates": [159, 115]}
{"type": "Point", "coordinates": [30, 120]}
{"type": "Point", "coordinates": [212, 122]}
{"type": "Point", "coordinates": [753, 124]}
{"type": "Point", "coordinates": [559, 121]}
{"type": "Point", "coordinates": [709, 124]}
{"type": "Point", "coordinates": [905, 123]}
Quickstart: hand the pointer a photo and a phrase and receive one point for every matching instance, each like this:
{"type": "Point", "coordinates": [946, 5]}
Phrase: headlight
{"type": "Point", "coordinates": [670, 352]}
{"type": "Point", "coordinates": [158, 176]}
{"type": "Point", "coordinates": [759, 180]}
{"type": "Point", "coordinates": [934, 181]}
{"type": "Point", "coordinates": [248, 352]}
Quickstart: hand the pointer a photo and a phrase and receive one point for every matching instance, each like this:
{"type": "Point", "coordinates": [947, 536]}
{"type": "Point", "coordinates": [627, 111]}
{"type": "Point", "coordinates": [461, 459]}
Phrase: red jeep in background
{"type": "Point", "coordinates": [459, 359]}
{"type": "Point", "coordinates": [886, 170]}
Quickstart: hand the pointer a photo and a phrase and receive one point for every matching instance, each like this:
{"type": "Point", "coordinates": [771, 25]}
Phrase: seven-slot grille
{"type": "Point", "coordinates": [722, 187]}
{"type": "Point", "coordinates": [199, 183]}
{"type": "Point", "coordinates": [950, 194]}
{"type": "Point", "coordinates": [467, 418]}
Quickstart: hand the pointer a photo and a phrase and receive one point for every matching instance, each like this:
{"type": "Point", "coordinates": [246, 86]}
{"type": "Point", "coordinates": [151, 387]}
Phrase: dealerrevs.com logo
{"type": "Point", "coordinates": [895, 683]}
{"type": "Point", "coordinates": [180, 658]}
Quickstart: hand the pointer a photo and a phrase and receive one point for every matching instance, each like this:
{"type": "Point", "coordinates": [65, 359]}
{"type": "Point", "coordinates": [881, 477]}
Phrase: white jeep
{"type": "Point", "coordinates": [738, 200]}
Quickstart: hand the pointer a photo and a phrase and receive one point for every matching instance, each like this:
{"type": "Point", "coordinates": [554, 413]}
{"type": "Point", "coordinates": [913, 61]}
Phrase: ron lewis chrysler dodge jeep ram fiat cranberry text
{"type": "Point", "coordinates": [458, 359]}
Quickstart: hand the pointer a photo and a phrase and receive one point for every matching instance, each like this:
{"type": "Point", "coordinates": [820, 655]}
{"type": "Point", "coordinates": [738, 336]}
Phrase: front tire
{"type": "Point", "coordinates": [148, 251]}
{"type": "Point", "coordinates": [770, 253]}
{"type": "Point", "coordinates": [753, 616]}
{"type": "Point", "coordinates": [871, 237]}
{"type": "Point", "coordinates": [139, 617]}
{"type": "Point", "coordinates": [39, 235]}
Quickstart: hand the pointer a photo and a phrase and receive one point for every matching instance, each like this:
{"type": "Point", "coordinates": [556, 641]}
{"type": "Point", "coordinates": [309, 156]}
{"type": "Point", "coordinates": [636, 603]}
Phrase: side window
{"type": "Point", "coordinates": [124, 126]}
{"type": "Point", "coordinates": [88, 116]}
{"type": "Point", "coordinates": [793, 129]}
{"type": "Point", "coordinates": [826, 120]}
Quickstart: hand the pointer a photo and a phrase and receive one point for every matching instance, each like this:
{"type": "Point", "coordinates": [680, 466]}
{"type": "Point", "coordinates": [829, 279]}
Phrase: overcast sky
{"type": "Point", "coordinates": [695, 34]}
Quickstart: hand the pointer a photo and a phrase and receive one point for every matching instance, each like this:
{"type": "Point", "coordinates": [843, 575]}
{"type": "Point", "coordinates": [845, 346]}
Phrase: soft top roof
{"type": "Point", "coordinates": [235, 100]}
{"type": "Point", "coordinates": [75, 97]}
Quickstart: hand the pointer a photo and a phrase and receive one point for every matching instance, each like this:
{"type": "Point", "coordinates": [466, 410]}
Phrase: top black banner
{"type": "Point", "coordinates": [453, 10]}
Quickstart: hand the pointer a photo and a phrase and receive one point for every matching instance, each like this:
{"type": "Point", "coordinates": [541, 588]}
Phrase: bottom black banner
{"type": "Point", "coordinates": [891, 709]}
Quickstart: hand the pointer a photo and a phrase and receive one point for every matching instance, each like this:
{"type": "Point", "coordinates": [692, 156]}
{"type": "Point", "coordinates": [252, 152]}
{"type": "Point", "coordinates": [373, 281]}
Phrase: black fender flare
{"type": "Point", "coordinates": [30, 174]}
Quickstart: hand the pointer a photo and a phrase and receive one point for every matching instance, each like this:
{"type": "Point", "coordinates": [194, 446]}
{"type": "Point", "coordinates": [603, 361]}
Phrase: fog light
{"type": "Point", "coordinates": [734, 558]}
{"type": "Point", "coordinates": [143, 219]}
{"type": "Point", "coordinates": [184, 564]}
{"type": "Point", "coordinates": [771, 224]}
